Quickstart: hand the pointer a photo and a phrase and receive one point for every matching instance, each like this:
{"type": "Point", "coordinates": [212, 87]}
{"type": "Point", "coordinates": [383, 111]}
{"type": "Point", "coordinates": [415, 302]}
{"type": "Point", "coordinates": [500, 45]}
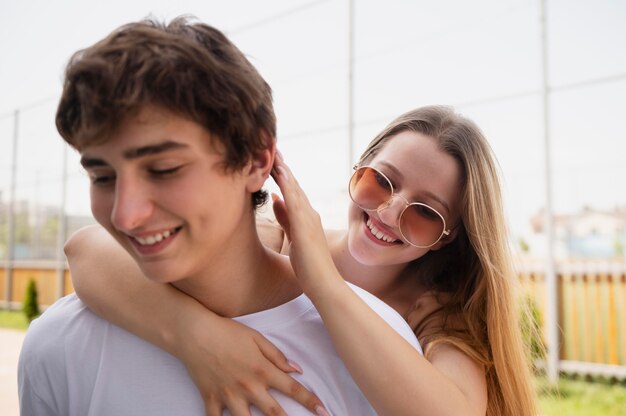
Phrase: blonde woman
{"type": "Point", "coordinates": [426, 234]}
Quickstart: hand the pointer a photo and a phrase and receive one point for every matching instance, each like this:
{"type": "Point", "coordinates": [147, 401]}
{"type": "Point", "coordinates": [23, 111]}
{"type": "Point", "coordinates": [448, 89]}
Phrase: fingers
{"type": "Point", "coordinates": [261, 399]}
{"type": "Point", "coordinates": [276, 356]}
{"type": "Point", "coordinates": [282, 382]}
{"type": "Point", "coordinates": [270, 233]}
{"type": "Point", "coordinates": [283, 175]}
{"type": "Point", "coordinates": [290, 387]}
{"type": "Point", "coordinates": [252, 393]}
{"type": "Point", "coordinates": [212, 407]}
{"type": "Point", "coordinates": [245, 374]}
{"type": "Point", "coordinates": [237, 405]}
{"type": "Point", "coordinates": [268, 405]}
{"type": "Point", "coordinates": [280, 212]}
{"type": "Point", "coordinates": [295, 198]}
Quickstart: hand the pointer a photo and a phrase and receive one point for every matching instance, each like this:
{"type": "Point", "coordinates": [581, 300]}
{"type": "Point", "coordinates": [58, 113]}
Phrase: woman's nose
{"type": "Point", "coordinates": [389, 212]}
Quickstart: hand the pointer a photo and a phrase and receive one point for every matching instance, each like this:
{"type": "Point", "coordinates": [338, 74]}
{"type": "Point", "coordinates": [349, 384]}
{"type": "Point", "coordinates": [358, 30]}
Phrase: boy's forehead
{"type": "Point", "coordinates": [137, 152]}
{"type": "Point", "coordinates": [151, 131]}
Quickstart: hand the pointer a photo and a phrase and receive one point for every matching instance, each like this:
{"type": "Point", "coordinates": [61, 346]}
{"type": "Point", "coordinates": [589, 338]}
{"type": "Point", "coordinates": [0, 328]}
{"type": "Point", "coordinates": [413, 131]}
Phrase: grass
{"type": "Point", "coordinates": [572, 397]}
{"type": "Point", "coordinates": [13, 320]}
{"type": "Point", "coordinates": [580, 397]}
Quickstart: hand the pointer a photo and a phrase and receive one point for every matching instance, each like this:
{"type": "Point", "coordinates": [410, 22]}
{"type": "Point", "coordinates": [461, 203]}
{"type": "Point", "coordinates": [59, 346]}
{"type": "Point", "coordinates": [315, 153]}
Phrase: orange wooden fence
{"type": "Point", "coordinates": [45, 275]}
{"type": "Point", "coordinates": [592, 307]}
{"type": "Point", "coordinates": [592, 313]}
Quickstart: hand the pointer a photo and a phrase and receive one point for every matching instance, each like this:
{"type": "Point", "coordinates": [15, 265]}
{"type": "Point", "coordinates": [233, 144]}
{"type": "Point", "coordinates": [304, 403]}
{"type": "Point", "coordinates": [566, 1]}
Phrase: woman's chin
{"type": "Point", "coordinates": [366, 255]}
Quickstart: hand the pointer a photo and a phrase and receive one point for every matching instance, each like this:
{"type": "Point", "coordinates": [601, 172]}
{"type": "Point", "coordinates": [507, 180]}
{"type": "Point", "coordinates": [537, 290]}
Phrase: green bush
{"type": "Point", "coordinates": [30, 306]}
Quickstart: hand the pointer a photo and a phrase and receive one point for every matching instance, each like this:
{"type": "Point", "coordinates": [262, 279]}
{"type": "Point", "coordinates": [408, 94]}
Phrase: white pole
{"type": "Point", "coordinates": [551, 279]}
{"type": "Point", "coordinates": [8, 275]}
{"type": "Point", "coordinates": [350, 86]}
{"type": "Point", "coordinates": [62, 229]}
{"type": "Point", "coordinates": [36, 245]}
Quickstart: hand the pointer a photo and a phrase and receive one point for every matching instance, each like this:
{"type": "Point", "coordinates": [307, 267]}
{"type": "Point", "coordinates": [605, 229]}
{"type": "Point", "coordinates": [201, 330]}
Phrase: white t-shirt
{"type": "Point", "coordinates": [74, 363]}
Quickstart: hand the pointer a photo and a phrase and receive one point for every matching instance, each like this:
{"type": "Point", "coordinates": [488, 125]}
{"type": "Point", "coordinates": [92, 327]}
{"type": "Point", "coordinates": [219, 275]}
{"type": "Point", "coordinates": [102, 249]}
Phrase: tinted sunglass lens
{"type": "Point", "coordinates": [369, 188]}
{"type": "Point", "coordinates": [421, 225]}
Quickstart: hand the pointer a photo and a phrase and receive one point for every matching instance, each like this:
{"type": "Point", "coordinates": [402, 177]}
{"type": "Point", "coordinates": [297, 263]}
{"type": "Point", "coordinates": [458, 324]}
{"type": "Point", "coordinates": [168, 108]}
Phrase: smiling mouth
{"type": "Point", "coordinates": [379, 234]}
{"type": "Point", "coordinates": [151, 240]}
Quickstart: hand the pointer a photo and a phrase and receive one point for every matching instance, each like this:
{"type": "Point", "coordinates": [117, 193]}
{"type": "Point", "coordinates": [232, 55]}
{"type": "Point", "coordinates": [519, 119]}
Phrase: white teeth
{"type": "Point", "coordinates": [153, 239]}
{"type": "Point", "coordinates": [379, 234]}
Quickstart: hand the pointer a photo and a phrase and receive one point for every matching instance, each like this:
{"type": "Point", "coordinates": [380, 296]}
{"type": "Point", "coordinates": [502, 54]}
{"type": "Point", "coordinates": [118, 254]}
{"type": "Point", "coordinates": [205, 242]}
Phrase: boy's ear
{"type": "Point", "coordinates": [261, 164]}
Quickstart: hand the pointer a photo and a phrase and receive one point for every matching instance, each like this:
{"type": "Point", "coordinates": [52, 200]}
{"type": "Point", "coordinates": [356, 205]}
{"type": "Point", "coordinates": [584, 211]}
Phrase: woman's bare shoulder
{"type": "Point", "coordinates": [429, 314]}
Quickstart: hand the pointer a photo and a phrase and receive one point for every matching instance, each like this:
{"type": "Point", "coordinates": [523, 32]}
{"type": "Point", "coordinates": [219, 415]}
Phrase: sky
{"type": "Point", "coordinates": [483, 57]}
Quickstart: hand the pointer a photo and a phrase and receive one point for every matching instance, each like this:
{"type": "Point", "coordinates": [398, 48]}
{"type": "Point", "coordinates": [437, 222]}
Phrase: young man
{"type": "Point", "coordinates": [176, 131]}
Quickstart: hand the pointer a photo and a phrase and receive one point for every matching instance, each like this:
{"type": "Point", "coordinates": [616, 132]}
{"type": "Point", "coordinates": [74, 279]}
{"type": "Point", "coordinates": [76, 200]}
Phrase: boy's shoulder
{"type": "Point", "coordinates": [64, 323]}
{"type": "Point", "coordinates": [73, 362]}
{"type": "Point", "coordinates": [53, 346]}
{"type": "Point", "coordinates": [67, 314]}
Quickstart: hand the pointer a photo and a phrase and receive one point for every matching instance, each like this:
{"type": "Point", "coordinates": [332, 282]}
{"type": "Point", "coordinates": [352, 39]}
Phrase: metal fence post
{"type": "Point", "coordinates": [552, 294]}
{"type": "Point", "coordinates": [8, 275]}
{"type": "Point", "coordinates": [62, 230]}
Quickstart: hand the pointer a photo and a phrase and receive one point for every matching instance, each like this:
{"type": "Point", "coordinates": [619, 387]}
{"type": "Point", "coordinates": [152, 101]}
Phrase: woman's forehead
{"type": "Point", "coordinates": [419, 166]}
{"type": "Point", "coordinates": [407, 145]}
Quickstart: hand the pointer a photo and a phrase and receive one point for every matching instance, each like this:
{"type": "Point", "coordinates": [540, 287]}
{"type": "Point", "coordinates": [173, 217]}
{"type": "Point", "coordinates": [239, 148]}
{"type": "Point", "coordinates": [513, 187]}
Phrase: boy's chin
{"type": "Point", "coordinates": [157, 273]}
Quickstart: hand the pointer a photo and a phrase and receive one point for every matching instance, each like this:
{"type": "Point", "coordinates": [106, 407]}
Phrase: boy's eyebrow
{"type": "Point", "coordinates": [89, 162]}
{"type": "Point", "coordinates": [152, 149]}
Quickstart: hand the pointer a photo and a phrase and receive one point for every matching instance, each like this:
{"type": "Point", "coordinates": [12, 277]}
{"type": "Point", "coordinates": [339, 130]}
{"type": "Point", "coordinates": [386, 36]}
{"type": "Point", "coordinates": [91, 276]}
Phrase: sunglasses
{"type": "Point", "coordinates": [420, 225]}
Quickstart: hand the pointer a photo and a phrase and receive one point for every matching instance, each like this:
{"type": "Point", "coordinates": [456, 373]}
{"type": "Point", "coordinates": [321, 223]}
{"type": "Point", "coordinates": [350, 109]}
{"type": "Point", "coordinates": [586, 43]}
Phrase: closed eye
{"type": "Point", "coordinates": [162, 173]}
{"type": "Point", "coordinates": [101, 180]}
{"type": "Point", "coordinates": [426, 212]}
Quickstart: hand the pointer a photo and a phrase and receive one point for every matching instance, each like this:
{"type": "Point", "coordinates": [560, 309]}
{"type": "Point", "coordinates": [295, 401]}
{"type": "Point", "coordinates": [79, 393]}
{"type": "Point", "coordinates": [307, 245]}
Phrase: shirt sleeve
{"type": "Point", "coordinates": [30, 403]}
{"type": "Point", "coordinates": [41, 376]}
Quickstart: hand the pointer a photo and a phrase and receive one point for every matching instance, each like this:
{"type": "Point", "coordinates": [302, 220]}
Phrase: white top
{"type": "Point", "coordinates": [74, 363]}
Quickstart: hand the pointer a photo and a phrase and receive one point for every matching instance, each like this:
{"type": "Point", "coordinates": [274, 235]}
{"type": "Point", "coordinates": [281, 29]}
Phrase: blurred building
{"type": "Point", "coordinates": [587, 233]}
{"type": "Point", "coordinates": [36, 230]}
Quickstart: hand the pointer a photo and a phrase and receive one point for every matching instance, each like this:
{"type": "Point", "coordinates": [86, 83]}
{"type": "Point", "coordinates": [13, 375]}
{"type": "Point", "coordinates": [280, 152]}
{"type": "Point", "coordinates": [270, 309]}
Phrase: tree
{"type": "Point", "coordinates": [30, 306]}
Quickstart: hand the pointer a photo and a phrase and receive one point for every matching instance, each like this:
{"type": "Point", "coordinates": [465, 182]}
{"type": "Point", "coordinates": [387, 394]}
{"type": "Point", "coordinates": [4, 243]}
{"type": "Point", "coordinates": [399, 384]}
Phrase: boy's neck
{"type": "Point", "coordinates": [243, 278]}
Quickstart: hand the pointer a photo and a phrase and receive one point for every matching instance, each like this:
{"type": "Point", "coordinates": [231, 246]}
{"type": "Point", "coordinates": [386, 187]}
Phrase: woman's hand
{"type": "Point", "coordinates": [308, 250]}
{"type": "Point", "coordinates": [271, 234]}
{"type": "Point", "coordinates": [234, 366]}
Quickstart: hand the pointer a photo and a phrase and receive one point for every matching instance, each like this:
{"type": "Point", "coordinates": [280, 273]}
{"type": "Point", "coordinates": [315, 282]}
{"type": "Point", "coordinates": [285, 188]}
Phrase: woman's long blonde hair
{"type": "Point", "coordinates": [475, 269]}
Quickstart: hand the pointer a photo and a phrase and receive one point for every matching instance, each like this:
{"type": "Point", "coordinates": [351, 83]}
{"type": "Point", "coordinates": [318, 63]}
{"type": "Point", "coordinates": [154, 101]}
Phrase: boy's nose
{"type": "Point", "coordinates": [132, 207]}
